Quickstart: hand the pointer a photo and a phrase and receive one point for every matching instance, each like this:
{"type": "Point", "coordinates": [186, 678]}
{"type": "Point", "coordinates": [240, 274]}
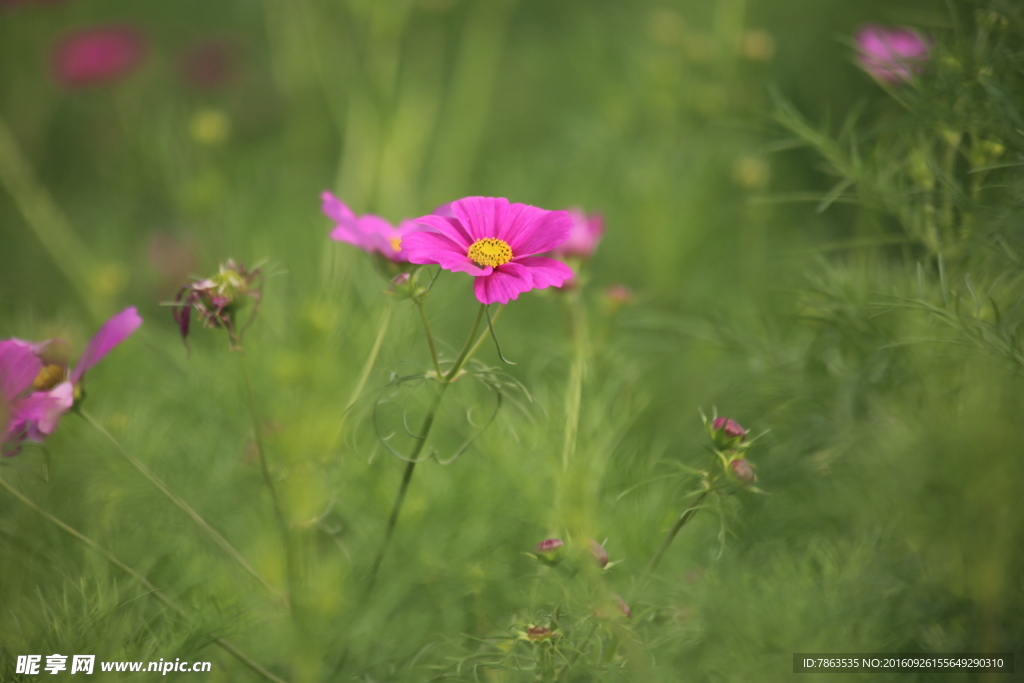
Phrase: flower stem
{"type": "Point", "coordinates": [687, 515]}
{"type": "Point", "coordinates": [421, 441]}
{"type": "Point", "coordinates": [364, 374]}
{"type": "Point", "coordinates": [185, 507]}
{"type": "Point", "coordinates": [578, 322]}
{"type": "Point", "coordinates": [291, 567]}
{"type": "Point", "coordinates": [154, 591]}
{"type": "Point", "coordinates": [430, 337]}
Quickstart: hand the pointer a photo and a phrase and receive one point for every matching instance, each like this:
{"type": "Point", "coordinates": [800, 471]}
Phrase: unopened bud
{"type": "Point", "coordinates": [743, 471]}
{"type": "Point", "coordinates": [599, 553]}
{"type": "Point", "coordinates": [550, 551]}
{"type": "Point", "coordinates": [727, 433]}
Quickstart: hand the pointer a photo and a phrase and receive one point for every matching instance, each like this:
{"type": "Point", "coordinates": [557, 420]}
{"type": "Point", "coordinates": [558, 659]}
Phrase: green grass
{"type": "Point", "coordinates": [882, 365]}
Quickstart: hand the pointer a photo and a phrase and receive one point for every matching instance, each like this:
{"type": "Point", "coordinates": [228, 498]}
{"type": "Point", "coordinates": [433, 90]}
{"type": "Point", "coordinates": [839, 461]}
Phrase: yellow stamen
{"type": "Point", "coordinates": [490, 252]}
{"type": "Point", "coordinates": [396, 243]}
{"type": "Point", "coordinates": [49, 377]}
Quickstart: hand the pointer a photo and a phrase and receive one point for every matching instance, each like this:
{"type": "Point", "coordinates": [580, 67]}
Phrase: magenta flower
{"type": "Point", "coordinates": [584, 235]}
{"type": "Point", "coordinates": [494, 241]}
{"type": "Point", "coordinates": [893, 55]}
{"type": "Point", "coordinates": [101, 54]}
{"type": "Point", "coordinates": [368, 232]}
{"type": "Point", "coordinates": [36, 388]}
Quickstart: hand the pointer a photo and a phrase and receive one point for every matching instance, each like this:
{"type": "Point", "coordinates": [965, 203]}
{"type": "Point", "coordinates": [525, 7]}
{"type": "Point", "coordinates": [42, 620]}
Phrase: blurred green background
{"type": "Point", "coordinates": [886, 374]}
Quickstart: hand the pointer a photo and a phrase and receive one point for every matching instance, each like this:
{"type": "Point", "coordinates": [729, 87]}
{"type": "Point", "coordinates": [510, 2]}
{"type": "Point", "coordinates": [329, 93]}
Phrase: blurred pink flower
{"type": "Point", "coordinates": [494, 241]}
{"type": "Point", "coordinates": [35, 386]}
{"type": "Point", "coordinates": [209, 64]}
{"type": "Point", "coordinates": [100, 54]}
{"type": "Point", "coordinates": [368, 232]}
{"type": "Point", "coordinates": [584, 235]}
{"type": "Point", "coordinates": [893, 55]}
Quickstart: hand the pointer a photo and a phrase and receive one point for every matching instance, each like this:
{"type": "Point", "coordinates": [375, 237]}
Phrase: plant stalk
{"type": "Point", "coordinates": [670, 536]}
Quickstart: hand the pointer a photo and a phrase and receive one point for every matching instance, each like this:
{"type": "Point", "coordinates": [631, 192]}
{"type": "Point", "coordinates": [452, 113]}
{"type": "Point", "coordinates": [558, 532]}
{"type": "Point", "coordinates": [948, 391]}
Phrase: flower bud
{"type": "Point", "coordinates": [726, 433]}
{"type": "Point", "coordinates": [743, 471]}
{"type": "Point", "coordinates": [599, 553]}
{"type": "Point", "coordinates": [550, 551]}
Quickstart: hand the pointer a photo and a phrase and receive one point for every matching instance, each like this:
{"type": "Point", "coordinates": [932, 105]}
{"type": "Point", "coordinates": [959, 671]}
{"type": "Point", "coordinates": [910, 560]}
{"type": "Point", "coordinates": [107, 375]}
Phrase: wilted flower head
{"type": "Point", "coordinates": [101, 54]}
{"type": "Point", "coordinates": [743, 471]}
{"type": "Point", "coordinates": [585, 233]}
{"type": "Point", "coordinates": [219, 299]}
{"type": "Point", "coordinates": [494, 241]}
{"type": "Point", "coordinates": [368, 232]}
{"type": "Point", "coordinates": [893, 55]}
{"type": "Point", "coordinates": [540, 633]}
{"type": "Point", "coordinates": [36, 387]}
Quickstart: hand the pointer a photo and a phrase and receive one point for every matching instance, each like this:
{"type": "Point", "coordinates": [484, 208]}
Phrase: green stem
{"type": "Point", "coordinates": [578, 322]}
{"type": "Point", "coordinates": [364, 374]}
{"type": "Point", "coordinates": [680, 523]}
{"type": "Point", "coordinates": [182, 505]}
{"type": "Point", "coordinates": [421, 441]}
{"type": "Point", "coordinates": [483, 335]}
{"type": "Point", "coordinates": [291, 567]}
{"type": "Point", "coordinates": [153, 590]}
{"type": "Point", "coordinates": [430, 337]}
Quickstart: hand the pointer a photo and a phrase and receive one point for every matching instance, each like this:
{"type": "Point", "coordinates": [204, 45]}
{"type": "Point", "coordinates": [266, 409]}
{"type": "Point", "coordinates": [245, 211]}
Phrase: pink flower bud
{"type": "Point", "coordinates": [550, 551]}
{"type": "Point", "coordinates": [599, 553]}
{"type": "Point", "coordinates": [623, 607]}
{"type": "Point", "coordinates": [743, 471]}
{"type": "Point", "coordinates": [727, 433]}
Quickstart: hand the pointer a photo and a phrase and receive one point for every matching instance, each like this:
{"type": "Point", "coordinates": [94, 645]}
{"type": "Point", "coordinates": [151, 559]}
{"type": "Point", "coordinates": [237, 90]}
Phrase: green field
{"type": "Point", "coordinates": [834, 261]}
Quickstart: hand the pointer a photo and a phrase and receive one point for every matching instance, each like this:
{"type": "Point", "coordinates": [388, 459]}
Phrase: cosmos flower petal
{"type": "Point", "coordinates": [335, 209]}
{"type": "Point", "coordinates": [19, 367]}
{"type": "Point", "coordinates": [539, 231]}
{"type": "Point", "coordinates": [42, 410]}
{"type": "Point", "coordinates": [449, 227]}
{"type": "Point", "coordinates": [113, 332]}
{"type": "Point", "coordinates": [430, 247]}
{"type": "Point", "coordinates": [482, 217]}
{"type": "Point", "coordinates": [505, 284]}
{"type": "Point", "coordinates": [546, 272]}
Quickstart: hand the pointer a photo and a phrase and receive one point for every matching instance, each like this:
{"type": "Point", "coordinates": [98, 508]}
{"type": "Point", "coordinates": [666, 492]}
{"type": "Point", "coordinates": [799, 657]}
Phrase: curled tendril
{"type": "Point", "coordinates": [384, 439]}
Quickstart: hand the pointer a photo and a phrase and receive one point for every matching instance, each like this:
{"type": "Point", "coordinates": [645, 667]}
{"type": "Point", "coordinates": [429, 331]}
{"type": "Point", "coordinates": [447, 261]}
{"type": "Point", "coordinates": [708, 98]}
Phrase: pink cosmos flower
{"type": "Point", "coordinates": [494, 241]}
{"type": "Point", "coordinates": [97, 55]}
{"type": "Point", "coordinates": [893, 55]}
{"type": "Point", "coordinates": [584, 235]}
{"type": "Point", "coordinates": [368, 232]}
{"type": "Point", "coordinates": [36, 388]}
{"type": "Point", "coordinates": [727, 433]}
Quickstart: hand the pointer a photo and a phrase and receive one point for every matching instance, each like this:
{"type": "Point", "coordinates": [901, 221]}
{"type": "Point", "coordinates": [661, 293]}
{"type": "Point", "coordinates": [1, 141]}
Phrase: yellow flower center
{"type": "Point", "coordinates": [490, 252]}
{"type": "Point", "coordinates": [396, 243]}
{"type": "Point", "coordinates": [49, 377]}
